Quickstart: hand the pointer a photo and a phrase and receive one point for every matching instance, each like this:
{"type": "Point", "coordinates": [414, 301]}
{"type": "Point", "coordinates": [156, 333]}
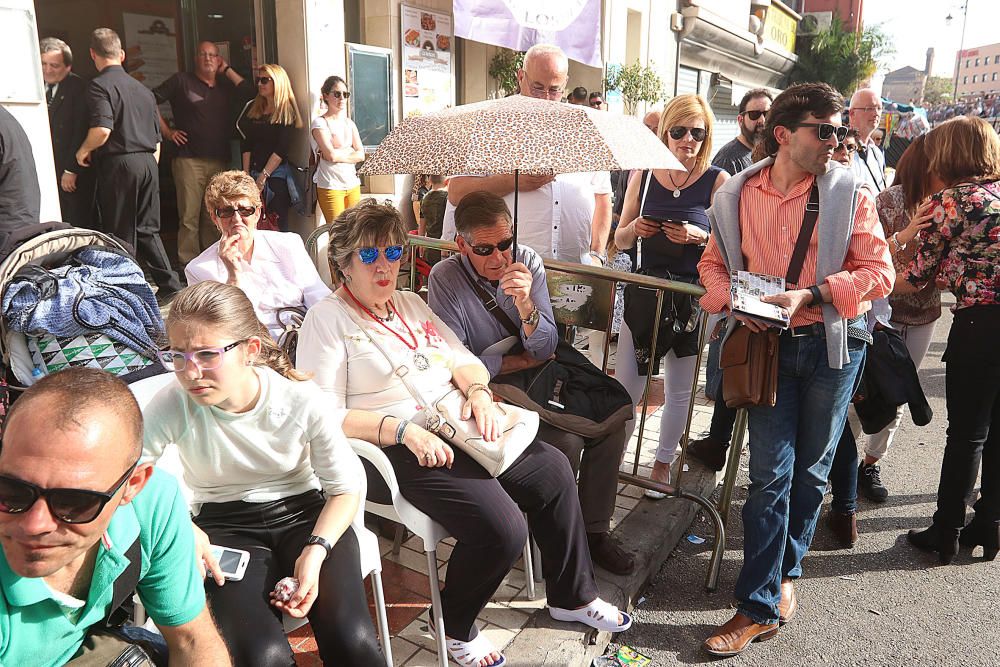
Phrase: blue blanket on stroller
{"type": "Point", "coordinates": [98, 289]}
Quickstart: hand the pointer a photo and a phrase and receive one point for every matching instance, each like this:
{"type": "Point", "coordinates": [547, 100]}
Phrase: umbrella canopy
{"type": "Point", "coordinates": [519, 134]}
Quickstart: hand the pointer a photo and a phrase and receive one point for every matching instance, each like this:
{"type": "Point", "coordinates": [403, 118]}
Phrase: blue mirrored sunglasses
{"type": "Point", "coordinates": [392, 253]}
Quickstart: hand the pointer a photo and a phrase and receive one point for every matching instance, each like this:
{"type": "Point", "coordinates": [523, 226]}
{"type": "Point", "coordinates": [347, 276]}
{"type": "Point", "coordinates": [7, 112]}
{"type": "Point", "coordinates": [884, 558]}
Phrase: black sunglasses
{"type": "Point", "coordinates": [755, 115]}
{"type": "Point", "coordinates": [826, 130]}
{"type": "Point", "coordinates": [486, 249]}
{"type": "Point", "coordinates": [339, 94]}
{"type": "Point", "coordinates": [66, 505]}
{"type": "Point", "coordinates": [261, 80]}
{"type": "Point", "coordinates": [846, 147]}
{"type": "Point", "coordinates": [678, 132]}
{"type": "Point", "coordinates": [226, 212]}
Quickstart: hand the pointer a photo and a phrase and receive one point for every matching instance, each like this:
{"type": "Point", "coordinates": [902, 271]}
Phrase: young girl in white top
{"type": "Point", "coordinates": [335, 137]}
{"type": "Point", "coordinates": [271, 472]}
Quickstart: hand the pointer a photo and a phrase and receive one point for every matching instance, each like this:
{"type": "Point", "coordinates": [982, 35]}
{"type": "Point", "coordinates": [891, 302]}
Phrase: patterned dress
{"type": "Point", "coordinates": [961, 250]}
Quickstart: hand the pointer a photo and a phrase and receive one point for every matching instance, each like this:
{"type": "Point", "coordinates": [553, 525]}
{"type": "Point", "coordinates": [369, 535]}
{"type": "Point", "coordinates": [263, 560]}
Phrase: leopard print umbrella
{"type": "Point", "coordinates": [518, 134]}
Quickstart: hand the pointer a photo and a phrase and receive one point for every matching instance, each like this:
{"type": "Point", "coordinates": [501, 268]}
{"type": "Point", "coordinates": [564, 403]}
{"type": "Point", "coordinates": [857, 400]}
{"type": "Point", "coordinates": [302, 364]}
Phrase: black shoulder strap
{"type": "Point", "coordinates": [490, 303]}
{"type": "Point", "coordinates": [805, 235]}
{"type": "Point", "coordinates": [125, 586]}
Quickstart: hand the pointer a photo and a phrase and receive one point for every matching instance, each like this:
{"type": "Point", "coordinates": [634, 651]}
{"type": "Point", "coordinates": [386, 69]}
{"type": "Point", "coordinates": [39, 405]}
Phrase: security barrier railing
{"type": "Point", "coordinates": [584, 296]}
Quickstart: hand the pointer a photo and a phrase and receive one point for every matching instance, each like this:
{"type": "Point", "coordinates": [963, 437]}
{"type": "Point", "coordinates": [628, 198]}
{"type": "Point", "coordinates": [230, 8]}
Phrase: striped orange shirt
{"type": "Point", "coordinates": [769, 225]}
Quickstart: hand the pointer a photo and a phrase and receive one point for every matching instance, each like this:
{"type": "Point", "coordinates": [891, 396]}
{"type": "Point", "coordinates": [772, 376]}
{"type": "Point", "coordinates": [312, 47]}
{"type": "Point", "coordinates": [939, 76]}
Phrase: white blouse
{"type": "Point", "coordinates": [347, 364]}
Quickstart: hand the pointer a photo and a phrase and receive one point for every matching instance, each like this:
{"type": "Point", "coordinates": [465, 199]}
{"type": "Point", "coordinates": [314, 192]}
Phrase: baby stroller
{"type": "Point", "coordinates": [73, 297]}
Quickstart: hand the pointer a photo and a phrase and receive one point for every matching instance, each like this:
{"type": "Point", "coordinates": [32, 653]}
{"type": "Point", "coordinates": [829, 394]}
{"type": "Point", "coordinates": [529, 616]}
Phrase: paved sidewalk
{"type": "Point", "coordinates": [522, 627]}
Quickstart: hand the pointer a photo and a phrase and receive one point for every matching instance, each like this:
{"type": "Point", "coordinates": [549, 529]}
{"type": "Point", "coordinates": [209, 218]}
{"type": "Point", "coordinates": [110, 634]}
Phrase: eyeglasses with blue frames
{"type": "Point", "coordinates": [369, 255]}
{"type": "Point", "coordinates": [825, 130]}
{"type": "Point", "coordinates": [207, 359]}
{"type": "Point", "coordinates": [66, 505]}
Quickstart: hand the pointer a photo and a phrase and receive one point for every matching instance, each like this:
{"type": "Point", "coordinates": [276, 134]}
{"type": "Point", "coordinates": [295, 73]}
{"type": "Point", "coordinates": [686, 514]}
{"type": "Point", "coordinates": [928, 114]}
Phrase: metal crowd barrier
{"type": "Point", "coordinates": [718, 515]}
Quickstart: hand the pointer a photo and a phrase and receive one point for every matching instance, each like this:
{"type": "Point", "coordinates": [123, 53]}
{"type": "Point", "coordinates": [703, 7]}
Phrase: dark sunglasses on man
{"type": "Point", "coordinates": [340, 94]}
{"type": "Point", "coordinates": [486, 249]}
{"type": "Point", "coordinates": [754, 115]}
{"type": "Point", "coordinates": [596, 104]}
{"type": "Point", "coordinates": [846, 147]}
{"type": "Point", "coordinates": [678, 132]}
{"type": "Point", "coordinates": [226, 212]}
{"type": "Point", "coordinates": [263, 80]}
{"type": "Point", "coordinates": [66, 505]}
{"type": "Point", "coordinates": [826, 130]}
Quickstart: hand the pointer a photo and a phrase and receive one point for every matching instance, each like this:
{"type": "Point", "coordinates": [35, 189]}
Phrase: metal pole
{"type": "Point", "coordinates": [733, 464]}
{"type": "Point", "coordinates": [961, 47]}
{"type": "Point", "coordinates": [702, 328]}
{"type": "Point", "coordinates": [513, 251]}
{"type": "Point", "coordinates": [649, 378]}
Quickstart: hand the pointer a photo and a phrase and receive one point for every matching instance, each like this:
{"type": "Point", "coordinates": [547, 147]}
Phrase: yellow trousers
{"type": "Point", "coordinates": [333, 202]}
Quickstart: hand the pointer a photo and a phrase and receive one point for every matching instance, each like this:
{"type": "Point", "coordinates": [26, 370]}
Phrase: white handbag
{"type": "Point", "coordinates": [443, 417]}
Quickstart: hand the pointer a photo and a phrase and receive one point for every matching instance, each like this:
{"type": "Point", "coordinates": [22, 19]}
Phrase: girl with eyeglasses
{"type": "Point", "coordinates": [485, 515]}
{"type": "Point", "coordinates": [272, 268]}
{"type": "Point", "coordinates": [334, 138]}
{"type": "Point", "coordinates": [271, 473]}
{"type": "Point", "coordinates": [665, 213]}
{"type": "Point", "coordinates": [267, 125]}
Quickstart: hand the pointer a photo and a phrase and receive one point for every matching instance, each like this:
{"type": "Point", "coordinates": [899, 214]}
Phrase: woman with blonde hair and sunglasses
{"type": "Point", "coordinates": [665, 213]}
{"type": "Point", "coordinates": [267, 125]}
{"type": "Point", "coordinates": [335, 139]}
{"type": "Point", "coordinates": [272, 268]}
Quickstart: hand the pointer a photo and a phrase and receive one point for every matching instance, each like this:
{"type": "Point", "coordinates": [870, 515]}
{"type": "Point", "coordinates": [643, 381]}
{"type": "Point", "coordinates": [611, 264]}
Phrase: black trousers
{"type": "Point", "coordinates": [274, 533]}
{"type": "Point", "coordinates": [972, 385]}
{"type": "Point", "coordinates": [486, 518]}
{"type": "Point", "coordinates": [597, 460]}
{"type": "Point", "coordinates": [79, 208]}
{"type": "Point", "coordinates": [128, 189]}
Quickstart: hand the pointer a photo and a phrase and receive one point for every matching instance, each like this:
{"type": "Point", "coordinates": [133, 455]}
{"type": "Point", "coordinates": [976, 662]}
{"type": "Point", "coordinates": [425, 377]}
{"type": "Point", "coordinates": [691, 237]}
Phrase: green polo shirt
{"type": "Point", "coordinates": [36, 630]}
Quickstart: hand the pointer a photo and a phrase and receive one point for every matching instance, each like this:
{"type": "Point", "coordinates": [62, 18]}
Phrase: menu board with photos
{"type": "Point", "coordinates": [427, 40]}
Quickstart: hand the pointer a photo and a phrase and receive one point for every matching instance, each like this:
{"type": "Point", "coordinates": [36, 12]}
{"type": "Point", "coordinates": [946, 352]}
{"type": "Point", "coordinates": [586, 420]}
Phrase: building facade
{"type": "Point", "coordinates": [977, 71]}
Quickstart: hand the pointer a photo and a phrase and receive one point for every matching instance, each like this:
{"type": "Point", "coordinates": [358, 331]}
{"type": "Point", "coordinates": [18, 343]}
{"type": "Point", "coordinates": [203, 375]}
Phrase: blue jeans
{"type": "Point", "coordinates": [844, 473]}
{"type": "Point", "coordinates": [791, 450]}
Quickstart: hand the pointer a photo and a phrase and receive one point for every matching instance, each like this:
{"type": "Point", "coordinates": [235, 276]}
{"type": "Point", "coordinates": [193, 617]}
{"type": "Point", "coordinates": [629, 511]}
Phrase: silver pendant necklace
{"type": "Point", "coordinates": [677, 188]}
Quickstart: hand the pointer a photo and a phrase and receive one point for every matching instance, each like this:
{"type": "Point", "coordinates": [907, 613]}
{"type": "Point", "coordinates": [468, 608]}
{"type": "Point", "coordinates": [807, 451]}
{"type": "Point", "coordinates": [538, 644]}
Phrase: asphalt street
{"type": "Point", "coordinates": [880, 603]}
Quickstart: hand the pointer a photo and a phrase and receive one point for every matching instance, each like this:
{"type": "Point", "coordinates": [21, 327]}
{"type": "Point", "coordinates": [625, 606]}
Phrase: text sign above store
{"type": "Point", "coordinates": [780, 26]}
{"type": "Point", "coordinates": [426, 40]}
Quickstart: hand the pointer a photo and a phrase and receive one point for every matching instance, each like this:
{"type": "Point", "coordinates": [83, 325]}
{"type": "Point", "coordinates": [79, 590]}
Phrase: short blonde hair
{"type": "Point", "coordinates": [227, 186]}
{"type": "Point", "coordinates": [965, 148]}
{"type": "Point", "coordinates": [286, 111]}
{"type": "Point", "coordinates": [683, 108]}
{"type": "Point", "coordinates": [367, 224]}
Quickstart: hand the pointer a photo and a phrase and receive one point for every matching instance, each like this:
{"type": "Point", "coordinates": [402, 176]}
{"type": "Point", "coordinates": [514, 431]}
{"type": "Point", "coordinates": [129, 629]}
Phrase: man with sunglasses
{"type": "Point", "coordinates": [734, 157]}
{"type": "Point", "coordinates": [841, 265]}
{"type": "Point", "coordinates": [201, 101]}
{"type": "Point", "coordinates": [486, 269]}
{"type": "Point", "coordinates": [869, 163]}
{"type": "Point", "coordinates": [82, 525]}
{"type": "Point", "coordinates": [565, 217]}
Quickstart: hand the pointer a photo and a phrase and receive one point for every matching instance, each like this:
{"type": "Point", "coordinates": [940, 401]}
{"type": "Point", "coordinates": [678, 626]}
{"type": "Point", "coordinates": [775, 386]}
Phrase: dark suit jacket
{"type": "Point", "coordinates": [69, 122]}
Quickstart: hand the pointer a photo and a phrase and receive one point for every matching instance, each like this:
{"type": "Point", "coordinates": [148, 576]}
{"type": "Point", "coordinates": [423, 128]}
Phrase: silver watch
{"type": "Point", "coordinates": [532, 318]}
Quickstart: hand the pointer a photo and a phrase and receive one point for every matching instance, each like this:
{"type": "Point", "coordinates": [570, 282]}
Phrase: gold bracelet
{"type": "Point", "coordinates": [476, 386]}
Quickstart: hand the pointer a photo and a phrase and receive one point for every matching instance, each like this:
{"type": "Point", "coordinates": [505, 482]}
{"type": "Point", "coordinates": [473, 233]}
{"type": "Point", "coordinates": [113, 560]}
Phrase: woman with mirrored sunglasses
{"type": "Point", "coordinates": [267, 125]}
{"type": "Point", "coordinates": [664, 213]}
{"type": "Point", "coordinates": [271, 473]}
{"type": "Point", "coordinates": [272, 268]}
{"type": "Point", "coordinates": [335, 141]}
{"type": "Point", "coordinates": [485, 515]}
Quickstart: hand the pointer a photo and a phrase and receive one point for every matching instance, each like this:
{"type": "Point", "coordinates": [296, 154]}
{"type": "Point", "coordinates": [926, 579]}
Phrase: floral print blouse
{"type": "Point", "coordinates": [961, 250]}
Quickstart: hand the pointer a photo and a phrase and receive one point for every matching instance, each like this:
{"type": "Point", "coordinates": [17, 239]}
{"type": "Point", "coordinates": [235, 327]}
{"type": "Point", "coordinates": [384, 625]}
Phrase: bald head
{"type": "Point", "coordinates": [75, 399]}
{"type": "Point", "coordinates": [865, 112]}
{"type": "Point", "coordinates": [652, 121]}
{"type": "Point", "coordinates": [545, 72]}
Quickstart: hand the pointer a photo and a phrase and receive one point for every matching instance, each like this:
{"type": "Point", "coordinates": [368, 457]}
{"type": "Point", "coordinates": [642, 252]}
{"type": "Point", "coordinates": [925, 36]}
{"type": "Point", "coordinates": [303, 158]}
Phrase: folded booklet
{"type": "Point", "coordinates": [745, 291]}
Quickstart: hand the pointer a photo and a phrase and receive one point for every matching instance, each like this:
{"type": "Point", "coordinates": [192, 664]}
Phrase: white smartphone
{"type": "Point", "coordinates": [233, 562]}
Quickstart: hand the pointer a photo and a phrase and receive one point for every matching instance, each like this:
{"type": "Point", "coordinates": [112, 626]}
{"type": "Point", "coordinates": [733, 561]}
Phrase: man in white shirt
{"type": "Point", "coordinates": [869, 164]}
{"type": "Point", "coordinates": [564, 217]}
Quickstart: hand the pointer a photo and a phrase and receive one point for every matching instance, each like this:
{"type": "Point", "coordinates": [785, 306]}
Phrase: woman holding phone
{"type": "Point", "coordinates": [665, 214]}
{"type": "Point", "coordinates": [272, 268]}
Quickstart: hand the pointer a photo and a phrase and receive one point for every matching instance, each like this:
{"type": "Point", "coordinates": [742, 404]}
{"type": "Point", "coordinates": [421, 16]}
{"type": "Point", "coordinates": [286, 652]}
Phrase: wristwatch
{"type": "Point", "coordinates": [316, 539]}
{"type": "Point", "coordinates": [228, 67]}
{"type": "Point", "coordinates": [817, 296]}
{"type": "Point", "coordinates": [532, 318]}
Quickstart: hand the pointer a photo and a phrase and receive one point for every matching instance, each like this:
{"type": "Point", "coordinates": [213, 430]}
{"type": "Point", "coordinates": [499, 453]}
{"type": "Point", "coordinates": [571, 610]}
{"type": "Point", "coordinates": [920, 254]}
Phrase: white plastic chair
{"type": "Point", "coordinates": [402, 511]}
{"type": "Point", "coordinates": [371, 562]}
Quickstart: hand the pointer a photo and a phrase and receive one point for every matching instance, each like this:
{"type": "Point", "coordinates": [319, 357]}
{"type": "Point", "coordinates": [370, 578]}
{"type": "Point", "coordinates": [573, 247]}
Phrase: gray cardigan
{"type": "Point", "coordinates": [838, 200]}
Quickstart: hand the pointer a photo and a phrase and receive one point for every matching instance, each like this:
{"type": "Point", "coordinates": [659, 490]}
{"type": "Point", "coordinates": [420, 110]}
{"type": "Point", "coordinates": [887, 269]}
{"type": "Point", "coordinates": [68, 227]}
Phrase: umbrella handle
{"type": "Point", "coordinates": [514, 245]}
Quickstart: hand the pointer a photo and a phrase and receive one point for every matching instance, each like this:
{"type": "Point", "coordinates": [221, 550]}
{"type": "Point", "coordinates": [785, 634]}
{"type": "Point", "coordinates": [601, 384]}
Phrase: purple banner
{"type": "Point", "coordinates": [572, 25]}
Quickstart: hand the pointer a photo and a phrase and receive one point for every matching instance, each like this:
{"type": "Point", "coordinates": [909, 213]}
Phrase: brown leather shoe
{"type": "Point", "coordinates": [844, 527]}
{"type": "Point", "coordinates": [789, 603]}
{"type": "Point", "coordinates": [734, 637]}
